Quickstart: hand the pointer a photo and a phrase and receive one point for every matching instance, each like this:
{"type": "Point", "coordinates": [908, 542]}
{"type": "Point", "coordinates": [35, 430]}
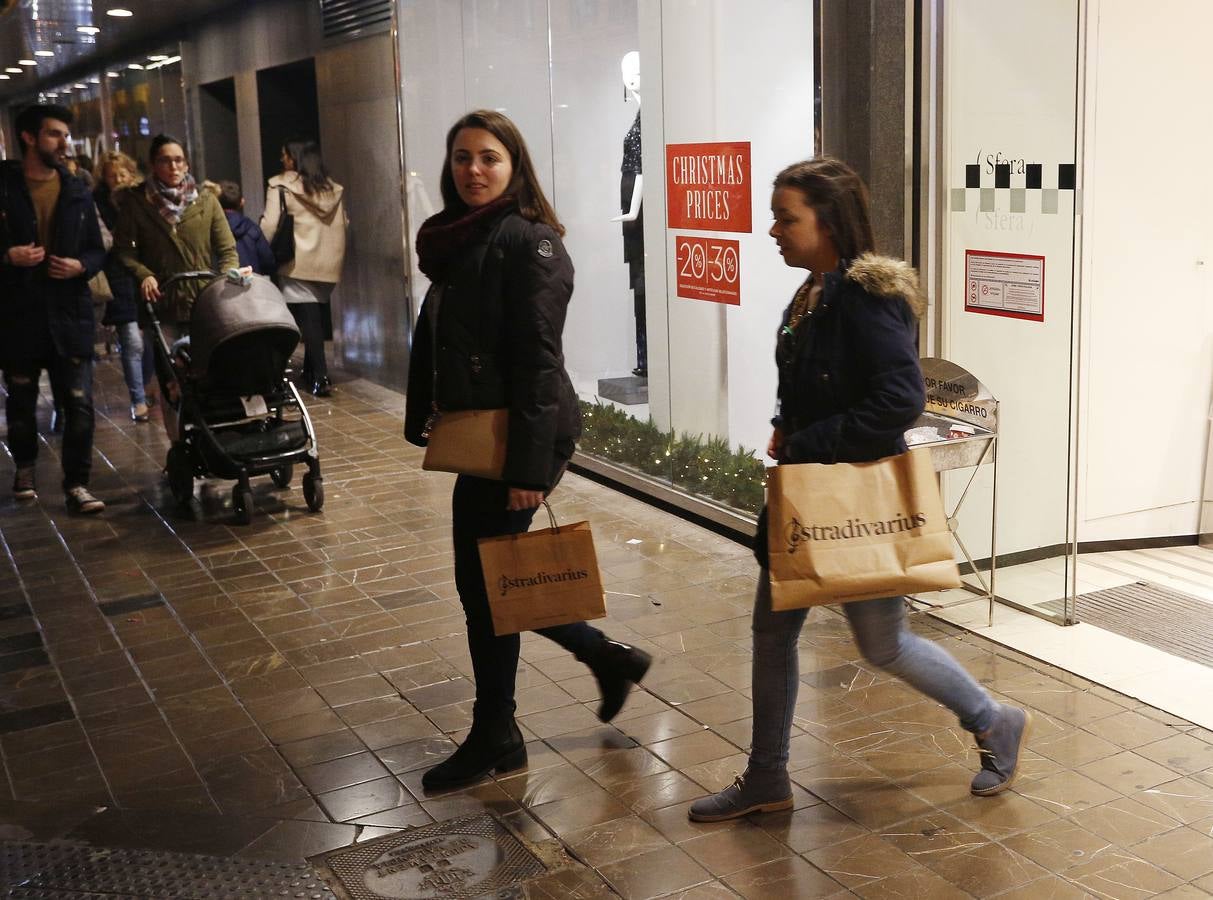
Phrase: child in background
{"type": "Point", "coordinates": [251, 244]}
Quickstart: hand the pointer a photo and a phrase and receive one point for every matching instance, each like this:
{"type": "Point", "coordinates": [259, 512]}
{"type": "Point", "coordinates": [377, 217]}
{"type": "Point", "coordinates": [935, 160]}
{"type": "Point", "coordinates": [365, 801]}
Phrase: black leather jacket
{"type": "Point", "coordinates": [500, 315]}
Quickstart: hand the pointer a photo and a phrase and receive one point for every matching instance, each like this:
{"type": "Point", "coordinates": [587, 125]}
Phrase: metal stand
{"type": "Point", "coordinates": [964, 418]}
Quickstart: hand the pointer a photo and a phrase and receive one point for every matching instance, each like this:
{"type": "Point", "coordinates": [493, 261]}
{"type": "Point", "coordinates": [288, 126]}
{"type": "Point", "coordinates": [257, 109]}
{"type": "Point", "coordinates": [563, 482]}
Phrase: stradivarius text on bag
{"type": "Point", "coordinates": [799, 532]}
{"type": "Point", "coordinates": [508, 584]}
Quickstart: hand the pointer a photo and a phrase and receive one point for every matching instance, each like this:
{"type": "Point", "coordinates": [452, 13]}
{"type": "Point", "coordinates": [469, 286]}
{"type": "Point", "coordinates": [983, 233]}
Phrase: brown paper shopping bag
{"type": "Point", "coordinates": [857, 531]}
{"type": "Point", "coordinates": [542, 578]}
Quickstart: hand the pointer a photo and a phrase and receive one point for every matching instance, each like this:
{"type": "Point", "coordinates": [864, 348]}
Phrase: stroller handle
{"type": "Point", "coordinates": [187, 276]}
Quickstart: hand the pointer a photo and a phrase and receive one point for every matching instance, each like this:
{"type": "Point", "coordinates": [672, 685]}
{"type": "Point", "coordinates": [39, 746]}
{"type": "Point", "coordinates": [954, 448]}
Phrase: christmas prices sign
{"type": "Point", "coordinates": [708, 186]}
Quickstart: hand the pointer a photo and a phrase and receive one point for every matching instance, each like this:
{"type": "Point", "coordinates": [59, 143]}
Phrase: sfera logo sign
{"type": "Point", "coordinates": [506, 584]}
{"type": "Point", "coordinates": [798, 532]}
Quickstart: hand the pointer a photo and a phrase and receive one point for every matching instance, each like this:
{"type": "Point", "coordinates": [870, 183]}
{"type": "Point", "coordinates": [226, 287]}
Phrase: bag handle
{"type": "Point", "coordinates": [551, 515]}
{"type": "Point", "coordinates": [281, 203]}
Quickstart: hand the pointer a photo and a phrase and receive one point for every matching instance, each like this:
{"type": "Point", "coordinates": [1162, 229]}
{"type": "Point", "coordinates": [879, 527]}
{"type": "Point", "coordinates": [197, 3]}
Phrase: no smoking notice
{"type": "Point", "coordinates": [1005, 284]}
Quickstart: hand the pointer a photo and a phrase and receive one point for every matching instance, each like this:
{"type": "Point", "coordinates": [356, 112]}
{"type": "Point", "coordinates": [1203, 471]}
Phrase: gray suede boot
{"type": "Point", "coordinates": [758, 790]}
{"type": "Point", "coordinates": [1000, 747]}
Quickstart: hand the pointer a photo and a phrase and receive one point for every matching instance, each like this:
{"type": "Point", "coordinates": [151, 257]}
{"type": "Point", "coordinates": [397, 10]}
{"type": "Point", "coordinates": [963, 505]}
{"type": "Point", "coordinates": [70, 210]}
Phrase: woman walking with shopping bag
{"type": "Point", "coordinates": [489, 338]}
{"type": "Point", "coordinates": [849, 387]}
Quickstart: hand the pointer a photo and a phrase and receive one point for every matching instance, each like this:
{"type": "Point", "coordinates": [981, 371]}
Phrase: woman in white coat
{"type": "Point", "coordinates": [307, 193]}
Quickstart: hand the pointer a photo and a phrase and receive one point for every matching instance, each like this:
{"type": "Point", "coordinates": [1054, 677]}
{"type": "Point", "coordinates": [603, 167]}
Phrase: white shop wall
{"type": "Point", "coordinates": [1147, 357]}
{"type": "Point", "coordinates": [730, 72]}
{"type": "Point", "coordinates": [1009, 89]}
{"type": "Point", "coordinates": [554, 69]}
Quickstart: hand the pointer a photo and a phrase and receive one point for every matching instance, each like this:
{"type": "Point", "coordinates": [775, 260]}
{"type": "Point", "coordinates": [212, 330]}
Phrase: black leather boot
{"type": "Point", "coordinates": [490, 745]}
{"type": "Point", "coordinates": [617, 667]}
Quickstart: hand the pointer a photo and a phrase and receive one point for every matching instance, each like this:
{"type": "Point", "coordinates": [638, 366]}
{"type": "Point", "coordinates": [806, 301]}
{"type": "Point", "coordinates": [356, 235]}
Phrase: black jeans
{"type": "Point", "coordinates": [478, 510]}
{"type": "Point", "coordinates": [73, 381]}
{"type": "Point", "coordinates": [309, 318]}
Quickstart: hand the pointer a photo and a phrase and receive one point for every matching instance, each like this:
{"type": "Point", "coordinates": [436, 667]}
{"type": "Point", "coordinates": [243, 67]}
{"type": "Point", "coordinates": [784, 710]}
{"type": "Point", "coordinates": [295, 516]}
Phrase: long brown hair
{"type": "Point", "coordinates": [839, 198]}
{"type": "Point", "coordinates": [305, 154]}
{"type": "Point", "coordinates": [524, 183]}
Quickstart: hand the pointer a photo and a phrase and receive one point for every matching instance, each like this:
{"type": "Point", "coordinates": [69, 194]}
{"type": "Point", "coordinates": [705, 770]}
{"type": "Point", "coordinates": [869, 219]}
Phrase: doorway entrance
{"type": "Point", "coordinates": [286, 99]}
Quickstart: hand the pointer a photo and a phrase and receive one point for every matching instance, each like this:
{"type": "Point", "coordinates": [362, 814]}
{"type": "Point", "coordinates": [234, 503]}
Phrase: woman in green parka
{"type": "Point", "coordinates": [169, 226]}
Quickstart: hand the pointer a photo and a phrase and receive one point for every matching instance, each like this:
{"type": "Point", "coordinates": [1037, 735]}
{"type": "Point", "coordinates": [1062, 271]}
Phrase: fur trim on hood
{"type": "Point", "coordinates": [883, 276]}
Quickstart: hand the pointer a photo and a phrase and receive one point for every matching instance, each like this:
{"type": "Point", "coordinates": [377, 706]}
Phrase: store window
{"type": "Point", "coordinates": [657, 127]}
{"type": "Point", "coordinates": [124, 106]}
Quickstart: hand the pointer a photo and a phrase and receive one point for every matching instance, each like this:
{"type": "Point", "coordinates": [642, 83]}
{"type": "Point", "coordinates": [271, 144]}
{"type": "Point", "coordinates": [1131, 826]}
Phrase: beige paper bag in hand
{"type": "Point", "coordinates": [542, 578]}
{"type": "Point", "coordinates": [857, 531]}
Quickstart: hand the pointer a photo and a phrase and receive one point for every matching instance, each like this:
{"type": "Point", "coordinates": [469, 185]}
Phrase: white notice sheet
{"type": "Point", "coordinates": [1005, 284]}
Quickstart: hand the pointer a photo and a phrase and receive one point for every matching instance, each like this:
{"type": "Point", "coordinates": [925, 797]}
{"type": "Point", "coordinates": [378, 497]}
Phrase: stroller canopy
{"type": "Point", "coordinates": [236, 328]}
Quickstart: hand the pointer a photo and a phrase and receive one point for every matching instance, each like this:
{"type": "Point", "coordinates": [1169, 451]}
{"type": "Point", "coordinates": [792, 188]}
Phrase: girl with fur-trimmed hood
{"type": "Point", "coordinates": [849, 386]}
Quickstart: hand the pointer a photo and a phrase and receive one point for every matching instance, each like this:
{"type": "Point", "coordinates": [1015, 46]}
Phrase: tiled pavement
{"type": "Point", "coordinates": [276, 690]}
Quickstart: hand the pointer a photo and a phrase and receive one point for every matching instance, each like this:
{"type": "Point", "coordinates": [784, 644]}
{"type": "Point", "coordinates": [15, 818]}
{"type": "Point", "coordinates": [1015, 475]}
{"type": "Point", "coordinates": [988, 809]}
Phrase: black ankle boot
{"type": "Point", "coordinates": [617, 667]}
{"type": "Point", "coordinates": [488, 746]}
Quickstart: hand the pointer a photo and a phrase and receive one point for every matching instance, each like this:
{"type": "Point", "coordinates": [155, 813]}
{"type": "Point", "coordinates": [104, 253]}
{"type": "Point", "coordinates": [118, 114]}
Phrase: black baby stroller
{"type": "Point", "coordinates": [238, 415]}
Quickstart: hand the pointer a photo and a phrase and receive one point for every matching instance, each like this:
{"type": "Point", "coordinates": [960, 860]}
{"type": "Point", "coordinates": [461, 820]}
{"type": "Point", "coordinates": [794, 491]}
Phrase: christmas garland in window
{"type": "Point", "coordinates": [700, 466]}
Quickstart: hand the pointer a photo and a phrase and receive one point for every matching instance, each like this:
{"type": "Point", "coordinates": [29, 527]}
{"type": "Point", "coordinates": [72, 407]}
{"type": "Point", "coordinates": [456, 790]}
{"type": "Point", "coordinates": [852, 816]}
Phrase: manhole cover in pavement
{"type": "Point", "coordinates": [474, 856]}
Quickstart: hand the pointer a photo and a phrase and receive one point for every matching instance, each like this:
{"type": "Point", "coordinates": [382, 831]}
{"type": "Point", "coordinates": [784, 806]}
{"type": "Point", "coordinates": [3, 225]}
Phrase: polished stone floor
{"type": "Point", "coordinates": [274, 691]}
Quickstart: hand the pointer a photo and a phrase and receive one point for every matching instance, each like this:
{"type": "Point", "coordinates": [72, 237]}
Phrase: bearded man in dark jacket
{"type": "Point", "coordinates": [50, 246]}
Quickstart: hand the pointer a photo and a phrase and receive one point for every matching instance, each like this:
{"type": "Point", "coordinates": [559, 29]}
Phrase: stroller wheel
{"type": "Point", "coordinates": [313, 492]}
{"type": "Point", "coordinates": [180, 474]}
{"type": "Point", "coordinates": [242, 503]}
{"type": "Point", "coordinates": [282, 475]}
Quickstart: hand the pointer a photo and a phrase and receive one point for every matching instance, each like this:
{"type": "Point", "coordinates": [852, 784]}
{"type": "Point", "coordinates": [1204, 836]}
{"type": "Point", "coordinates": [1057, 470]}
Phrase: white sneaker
{"type": "Point", "coordinates": [80, 501]}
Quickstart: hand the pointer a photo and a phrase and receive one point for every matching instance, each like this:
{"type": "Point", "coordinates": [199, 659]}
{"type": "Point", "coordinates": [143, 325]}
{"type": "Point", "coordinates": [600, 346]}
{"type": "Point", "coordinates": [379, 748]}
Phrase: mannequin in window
{"type": "Point", "coordinates": [631, 209]}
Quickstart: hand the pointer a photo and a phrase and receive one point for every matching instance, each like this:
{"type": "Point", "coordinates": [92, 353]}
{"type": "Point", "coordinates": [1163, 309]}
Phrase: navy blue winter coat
{"type": "Point", "coordinates": [251, 244]}
{"type": "Point", "coordinates": [850, 383]}
{"type": "Point", "coordinates": [39, 315]}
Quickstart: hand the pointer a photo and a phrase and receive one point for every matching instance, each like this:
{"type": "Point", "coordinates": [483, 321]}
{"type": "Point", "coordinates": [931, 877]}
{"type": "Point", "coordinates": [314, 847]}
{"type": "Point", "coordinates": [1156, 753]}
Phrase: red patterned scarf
{"type": "Point", "coordinates": [442, 237]}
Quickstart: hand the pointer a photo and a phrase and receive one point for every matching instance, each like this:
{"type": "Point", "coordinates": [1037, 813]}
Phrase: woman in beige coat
{"type": "Point", "coordinates": [307, 281]}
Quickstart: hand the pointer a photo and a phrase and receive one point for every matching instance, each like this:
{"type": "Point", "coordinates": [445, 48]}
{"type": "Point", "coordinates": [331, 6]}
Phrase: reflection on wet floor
{"type": "Point", "coordinates": [274, 691]}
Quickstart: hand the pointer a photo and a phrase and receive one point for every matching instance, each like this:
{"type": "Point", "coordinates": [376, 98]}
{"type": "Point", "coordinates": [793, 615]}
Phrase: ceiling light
{"type": "Point", "coordinates": [14, 70]}
{"type": "Point", "coordinates": [111, 74]}
{"type": "Point", "coordinates": [44, 53]}
{"type": "Point", "coordinates": [80, 87]}
{"type": "Point", "coordinates": [156, 57]}
{"type": "Point", "coordinates": [94, 80]}
{"type": "Point", "coordinates": [119, 12]}
{"type": "Point", "coordinates": [27, 62]}
{"type": "Point", "coordinates": [4, 77]}
{"type": "Point", "coordinates": [88, 29]}
{"type": "Point", "coordinates": [134, 66]}
{"type": "Point", "coordinates": [50, 94]}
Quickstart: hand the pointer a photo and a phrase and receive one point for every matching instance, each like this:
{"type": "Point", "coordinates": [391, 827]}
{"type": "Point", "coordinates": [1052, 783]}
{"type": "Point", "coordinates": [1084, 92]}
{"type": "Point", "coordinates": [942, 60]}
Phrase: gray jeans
{"type": "Point", "coordinates": [884, 639]}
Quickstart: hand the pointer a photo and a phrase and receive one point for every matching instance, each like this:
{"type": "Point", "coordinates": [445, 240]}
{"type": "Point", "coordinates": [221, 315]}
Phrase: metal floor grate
{"type": "Point", "coordinates": [76, 871]}
{"type": "Point", "coordinates": [1166, 619]}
